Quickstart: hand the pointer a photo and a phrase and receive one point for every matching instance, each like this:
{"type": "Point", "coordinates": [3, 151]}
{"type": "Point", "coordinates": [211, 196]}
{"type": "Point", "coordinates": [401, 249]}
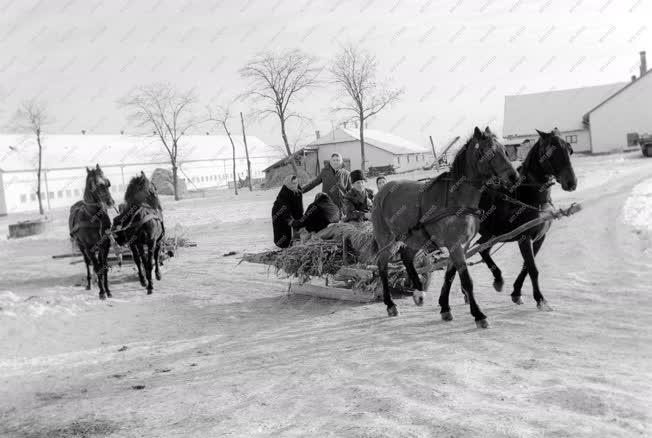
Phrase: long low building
{"type": "Point", "coordinates": [596, 119]}
{"type": "Point", "coordinates": [204, 161]}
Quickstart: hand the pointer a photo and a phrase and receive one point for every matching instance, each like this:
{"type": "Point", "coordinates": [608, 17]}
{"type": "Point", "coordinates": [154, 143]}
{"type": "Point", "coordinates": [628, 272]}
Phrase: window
{"type": "Point", "coordinates": [416, 157]}
{"type": "Point", "coordinates": [398, 158]}
{"type": "Point", "coordinates": [60, 194]}
{"type": "Point", "coordinates": [68, 193]}
{"type": "Point", "coordinates": [76, 192]}
{"type": "Point", "coordinates": [32, 197]}
{"type": "Point", "coordinates": [408, 158]}
{"type": "Point", "coordinates": [571, 139]}
{"type": "Point", "coordinates": [23, 199]}
{"type": "Point", "coordinates": [51, 195]}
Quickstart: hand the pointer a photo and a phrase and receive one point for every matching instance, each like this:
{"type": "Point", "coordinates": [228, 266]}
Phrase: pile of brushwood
{"type": "Point", "coordinates": [345, 253]}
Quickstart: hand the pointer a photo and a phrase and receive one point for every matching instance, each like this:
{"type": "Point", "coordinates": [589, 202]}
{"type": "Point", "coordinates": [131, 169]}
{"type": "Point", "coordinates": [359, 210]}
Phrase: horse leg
{"type": "Point", "coordinates": [87, 262]}
{"type": "Point", "coordinates": [157, 252]}
{"type": "Point", "coordinates": [518, 283]}
{"type": "Point", "coordinates": [459, 260]}
{"type": "Point", "coordinates": [147, 261]}
{"type": "Point", "coordinates": [529, 251]}
{"type": "Point", "coordinates": [449, 276]}
{"type": "Point", "coordinates": [495, 270]}
{"type": "Point", "coordinates": [97, 267]}
{"type": "Point", "coordinates": [383, 260]}
{"type": "Point", "coordinates": [135, 252]}
{"type": "Point", "coordinates": [105, 269]}
{"type": "Point", "coordinates": [407, 256]}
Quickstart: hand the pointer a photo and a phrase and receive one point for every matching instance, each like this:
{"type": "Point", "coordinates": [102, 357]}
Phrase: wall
{"type": "Point", "coordinates": [63, 187]}
{"type": "Point", "coordinates": [3, 204]}
{"type": "Point", "coordinates": [374, 156]}
{"type": "Point", "coordinates": [626, 112]}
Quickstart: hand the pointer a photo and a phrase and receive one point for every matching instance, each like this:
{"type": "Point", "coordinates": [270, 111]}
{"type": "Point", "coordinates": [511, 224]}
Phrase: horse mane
{"type": "Point", "coordinates": [528, 162]}
{"type": "Point", "coordinates": [140, 184]}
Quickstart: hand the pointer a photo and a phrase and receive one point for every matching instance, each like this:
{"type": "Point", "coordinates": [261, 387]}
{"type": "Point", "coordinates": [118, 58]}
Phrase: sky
{"type": "Point", "coordinates": [455, 59]}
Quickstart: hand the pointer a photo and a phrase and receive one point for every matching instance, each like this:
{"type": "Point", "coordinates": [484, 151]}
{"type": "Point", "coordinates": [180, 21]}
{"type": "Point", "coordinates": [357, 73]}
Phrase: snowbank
{"type": "Point", "coordinates": [637, 211]}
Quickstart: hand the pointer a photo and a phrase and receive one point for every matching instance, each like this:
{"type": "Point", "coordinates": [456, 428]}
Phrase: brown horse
{"type": "Point", "coordinates": [90, 227]}
{"type": "Point", "coordinates": [548, 161]}
{"type": "Point", "coordinates": [140, 225]}
{"type": "Point", "coordinates": [442, 212]}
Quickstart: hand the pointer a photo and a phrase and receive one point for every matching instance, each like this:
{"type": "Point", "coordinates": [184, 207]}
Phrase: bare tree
{"type": "Point", "coordinates": [30, 118]}
{"type": "Point", "coordinates": [354, 72]}
{"type": "Point", "coordinates": [244, 140]}
{"type": "Point", "coordinates": [221, 116]}
{"type": "Point", "coordinates": [277, 80]}
{"type": "Point", "coordinates": [168, 112]}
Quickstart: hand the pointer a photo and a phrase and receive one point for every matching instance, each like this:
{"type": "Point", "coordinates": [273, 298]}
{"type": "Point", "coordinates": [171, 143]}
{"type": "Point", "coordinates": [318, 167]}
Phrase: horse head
{"type": "Point", "coordinates": [142, 191]}
{"type": "Point", "coordinates": [552, 154]}
{"type": "Point", "coordinates": [98, 187]}
{"type": "Point", "coordinates": [488, 158]}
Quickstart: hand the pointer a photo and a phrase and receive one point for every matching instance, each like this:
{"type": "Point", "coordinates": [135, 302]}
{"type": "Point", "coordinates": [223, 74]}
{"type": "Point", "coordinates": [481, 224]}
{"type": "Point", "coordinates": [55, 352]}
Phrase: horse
{"type": "Point", "coordinates": [90, 226]}
{"type": "Point", "coordinates": [442, 212]}
{"type": "Point", "coordinates": [140, 225]}
{"type": "Point", "coordinates": [548, 161]}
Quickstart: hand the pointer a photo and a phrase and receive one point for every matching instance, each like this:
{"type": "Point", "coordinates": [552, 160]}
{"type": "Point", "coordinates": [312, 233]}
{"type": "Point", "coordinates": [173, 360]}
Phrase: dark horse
{"type": "Point", "coordinates": [140, 225]}
{"type": "Point", "coordinates": [90, 227]}
{"type": "Point", "coordinates": [442, 212]}
{"type": "Point", "coordinates": [548, 161]}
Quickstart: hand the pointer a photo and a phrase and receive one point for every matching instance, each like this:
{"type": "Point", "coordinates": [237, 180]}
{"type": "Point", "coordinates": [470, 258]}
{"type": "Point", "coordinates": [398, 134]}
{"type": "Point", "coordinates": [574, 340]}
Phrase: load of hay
{"type": "Point", "coordinates": [345, 253]}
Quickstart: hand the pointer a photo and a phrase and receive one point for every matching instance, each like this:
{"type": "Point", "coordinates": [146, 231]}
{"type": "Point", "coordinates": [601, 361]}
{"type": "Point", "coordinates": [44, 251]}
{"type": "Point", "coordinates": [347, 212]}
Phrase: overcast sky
{"type": "Point", "coordinates": [456, 59]}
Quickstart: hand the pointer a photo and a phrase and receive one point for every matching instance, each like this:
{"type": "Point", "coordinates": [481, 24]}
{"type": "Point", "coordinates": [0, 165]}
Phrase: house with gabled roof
{"type": "Point", "coordinates": [594, 119]}
{"type": "Point", "coordinates": [381, 149]}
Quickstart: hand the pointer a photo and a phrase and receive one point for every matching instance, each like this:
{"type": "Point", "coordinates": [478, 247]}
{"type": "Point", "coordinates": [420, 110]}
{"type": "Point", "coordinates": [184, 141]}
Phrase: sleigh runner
{"type": "Point", "coordinates": [339, 262]}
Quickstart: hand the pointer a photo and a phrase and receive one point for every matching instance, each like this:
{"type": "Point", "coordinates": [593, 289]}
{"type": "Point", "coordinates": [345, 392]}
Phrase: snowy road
{"type": "Point", "coordinates": [222, 351]}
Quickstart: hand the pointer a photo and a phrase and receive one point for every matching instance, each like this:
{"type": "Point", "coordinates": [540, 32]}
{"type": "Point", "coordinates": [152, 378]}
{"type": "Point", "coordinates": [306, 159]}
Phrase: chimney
{"type": "Point", "coordinates": [83, 132]}
{"type": "Point", "coordinates": [122, 132]}
{"type": "Point", "coordinates": [633, 78]}
{"type": "Point", "coordinates": [317, 135]}
{"type": "Point", "coordinates": [643, 63]}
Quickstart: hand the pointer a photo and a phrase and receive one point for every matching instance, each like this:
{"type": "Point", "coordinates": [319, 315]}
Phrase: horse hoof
{"type": "Point", "coordinates": [517, 300]}
{"type": "Point", "coordinates": [544, 306]}
{"type": "Point", "coordinates": [108, 294]}
{"type": "Point", "coordinates": [158, 276]}
{"type": "Point", "coordinates": [143, 283]}
{"type": "Point", "coordinates": [447, 316]}
{"type": "Point", "coordinates": [88, 287]}
{"type": "Point", "coordinates": [482, 324]}
{"type": "Point", "coordinates": [498, 285]}
{"type": "Point", "coordinates": [102, 297]}
{"type": "Point", "coordinates": [466, 299]}
{"type": "Point", "coordinates": [149, 291]}
{"type": "Point", "coordinates": [392, 311]}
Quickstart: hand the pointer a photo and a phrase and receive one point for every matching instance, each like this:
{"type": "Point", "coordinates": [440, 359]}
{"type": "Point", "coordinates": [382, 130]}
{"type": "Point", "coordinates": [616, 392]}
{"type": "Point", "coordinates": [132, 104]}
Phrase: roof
{"type": "Point", "coordinates": [586, 116]}
{"type": "Point", "coordinates": [20, 152]}
{"type": "Point", "coordinates": [286, 160]}
{"type": "Point", "coordinates": [561, 108]}
{"type": "Point", "coordinates": [382, 140]}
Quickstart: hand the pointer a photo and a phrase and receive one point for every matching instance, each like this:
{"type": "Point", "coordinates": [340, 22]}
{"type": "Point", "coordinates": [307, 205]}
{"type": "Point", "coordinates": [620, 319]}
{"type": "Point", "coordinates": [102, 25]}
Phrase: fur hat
{"type": "Point", "coordinates": [357, 175]}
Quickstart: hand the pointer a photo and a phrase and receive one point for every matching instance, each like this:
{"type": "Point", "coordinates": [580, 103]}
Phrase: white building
{"type": "Point", "coordinates": [594, 119]}
{"type": "Point", "coordinates": [204, 161]}
{"type": "Point", "coordinates": [381, 149]}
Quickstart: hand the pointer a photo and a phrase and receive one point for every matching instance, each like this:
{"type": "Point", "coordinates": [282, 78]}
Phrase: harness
{"type": "Point", "coordinates": [151, 214]}
{"type": "Point", "coordinates": [91, 224]}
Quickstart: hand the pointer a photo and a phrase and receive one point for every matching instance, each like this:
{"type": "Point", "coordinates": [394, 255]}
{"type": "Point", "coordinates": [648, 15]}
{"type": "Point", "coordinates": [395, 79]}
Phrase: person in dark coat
{"type": "Point", "coordinates": [287, 208]}
{"type": "Point", "coordinates": [319, 214]}
{"type": "Point", "coordinates": [334, 178]}
{"type": "Point", "coordinates": [357, 201]}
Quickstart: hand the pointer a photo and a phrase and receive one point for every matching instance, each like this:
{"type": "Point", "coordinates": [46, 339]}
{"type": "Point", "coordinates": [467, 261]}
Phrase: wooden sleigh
{"type": "Point", "coordinates": [359, 282]}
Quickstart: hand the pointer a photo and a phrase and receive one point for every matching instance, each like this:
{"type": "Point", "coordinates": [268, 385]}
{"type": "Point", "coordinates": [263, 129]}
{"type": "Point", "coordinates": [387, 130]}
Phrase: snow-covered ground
{"type": "Point", "coordinates": [220, 349]}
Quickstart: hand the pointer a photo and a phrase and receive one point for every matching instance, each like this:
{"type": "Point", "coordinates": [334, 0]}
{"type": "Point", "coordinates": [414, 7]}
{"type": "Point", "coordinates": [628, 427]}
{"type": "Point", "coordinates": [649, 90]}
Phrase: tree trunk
{"type": "Point", "coordinates": [174, 180]}
{"type": "Point", "coordinates": [287, 147]}
{"type": "Point", "coordinates": [244, 139]}
{"type": "Point", "coordinates": [235, 179]}
{"type": "Point", "coordinates": [38, 173]}
{"type": "Point", "coordinates": [363, 164]}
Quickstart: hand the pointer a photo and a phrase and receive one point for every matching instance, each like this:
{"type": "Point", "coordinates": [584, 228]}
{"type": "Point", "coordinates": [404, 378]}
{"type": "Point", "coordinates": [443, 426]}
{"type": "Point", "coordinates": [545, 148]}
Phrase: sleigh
{"type": "Point", "coordinates": [335, 264]}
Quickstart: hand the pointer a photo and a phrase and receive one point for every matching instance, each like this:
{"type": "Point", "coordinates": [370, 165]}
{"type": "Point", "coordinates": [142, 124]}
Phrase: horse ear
{"type": "Point", "coordinates": [487, 131]}
{"type": "Point", "coordinates": [477, 133]}
{"type": "Point", "coordinates": [142, 174]}
{"type": "Point", "coordinates": [88, 170]}
{"type": "Point", "coordinates": [97, 166]}
{"type": "Point", "coordinates": [542, 134]}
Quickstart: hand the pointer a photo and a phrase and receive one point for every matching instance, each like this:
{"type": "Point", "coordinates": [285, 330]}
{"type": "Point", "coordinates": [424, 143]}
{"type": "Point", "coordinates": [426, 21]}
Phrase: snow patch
{"type": "Point", "coordinates": [638, 207]}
